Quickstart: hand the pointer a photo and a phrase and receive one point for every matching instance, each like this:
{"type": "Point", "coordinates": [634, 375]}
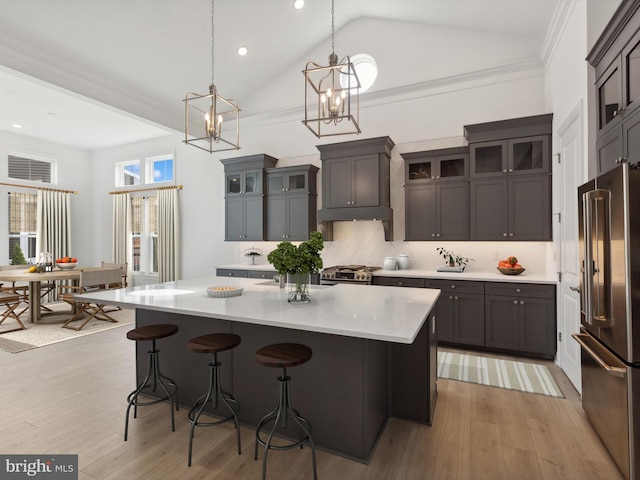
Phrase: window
{"type": "Point", "coordinates": [128, 173]}
{"type": "Point", "coordinates": [33, 169]}
{"type": "Point", "coordinates": [144, 236]}
{"type": "Point", "coordinates": [22, 225]}
{"type": "Point", "coordinates": [159, 169]}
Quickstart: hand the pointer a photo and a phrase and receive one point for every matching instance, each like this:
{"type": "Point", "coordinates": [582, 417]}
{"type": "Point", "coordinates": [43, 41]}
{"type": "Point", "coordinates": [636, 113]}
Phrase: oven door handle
{"type": "Point", "coordinates": [584, 339]}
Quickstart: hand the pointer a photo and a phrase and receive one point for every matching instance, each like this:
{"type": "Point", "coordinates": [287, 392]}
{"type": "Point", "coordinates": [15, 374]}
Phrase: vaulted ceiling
{"type": "Point", "coordinates": [98, 73]}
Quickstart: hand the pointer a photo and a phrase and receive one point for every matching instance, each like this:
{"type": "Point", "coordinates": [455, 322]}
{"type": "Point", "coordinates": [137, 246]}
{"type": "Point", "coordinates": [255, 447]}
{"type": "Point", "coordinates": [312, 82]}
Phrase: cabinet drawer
{"type": "Point", "coordinates": [455, 286]}
{"type": "Point", "coordinates": [228, 272]}
{"type": "Point", "coordinates": [266, 274]}
{"type": "Point", "coordinates": [520, 289]}
{"type": "Point", "coordinates": [399, 281]}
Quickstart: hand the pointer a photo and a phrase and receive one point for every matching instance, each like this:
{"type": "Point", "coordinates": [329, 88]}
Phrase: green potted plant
{"type": "Point", "coordinates": [455, 263]}
{"type": "Point", "coordinates": [298, 263]}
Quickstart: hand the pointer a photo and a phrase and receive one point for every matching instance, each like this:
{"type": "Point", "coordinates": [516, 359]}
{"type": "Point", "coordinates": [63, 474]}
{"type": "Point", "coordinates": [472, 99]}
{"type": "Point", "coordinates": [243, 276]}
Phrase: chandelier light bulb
{"type": "Point", "coordinates": [328, 92]}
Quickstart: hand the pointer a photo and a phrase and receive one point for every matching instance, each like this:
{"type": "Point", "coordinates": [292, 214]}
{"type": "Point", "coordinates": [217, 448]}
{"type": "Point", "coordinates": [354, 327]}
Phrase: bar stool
{"type": "Point", "coordinates": [214, 343]}
{"type": "Point", "coordinates": [11, 301]}
{"type": "Point", "coordinates": [283, 355]}
{"type": "Point", "coordinates": [154, 375]}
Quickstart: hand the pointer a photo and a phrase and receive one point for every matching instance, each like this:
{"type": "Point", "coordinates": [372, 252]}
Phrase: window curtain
{"type": "Point", "coordinates": [122, 229]}
{"type": "Point", "coordinates": [53, 223]}
{"type": "Point", "coordinates": [168, 235]}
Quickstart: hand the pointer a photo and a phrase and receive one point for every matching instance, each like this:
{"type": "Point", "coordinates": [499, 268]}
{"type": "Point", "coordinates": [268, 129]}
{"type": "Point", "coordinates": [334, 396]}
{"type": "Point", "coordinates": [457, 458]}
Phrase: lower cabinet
{"type": "Point", "coordinates": [521, 318]}
{"type": "Point", "coordinates": [459, 311]}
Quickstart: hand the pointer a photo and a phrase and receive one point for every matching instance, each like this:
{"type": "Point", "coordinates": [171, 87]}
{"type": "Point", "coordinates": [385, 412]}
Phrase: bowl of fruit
{"type": "Point", "coordinates": [510, 266]}
{"type": "Point", "coordinates": [67, 263]}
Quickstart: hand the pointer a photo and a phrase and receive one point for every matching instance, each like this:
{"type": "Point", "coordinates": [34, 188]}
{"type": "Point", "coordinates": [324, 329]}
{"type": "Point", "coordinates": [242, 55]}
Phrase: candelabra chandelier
{"type": "Point", "coordinates": [328, 94]}
{"type": "Point", "coordinates": [215, 125]}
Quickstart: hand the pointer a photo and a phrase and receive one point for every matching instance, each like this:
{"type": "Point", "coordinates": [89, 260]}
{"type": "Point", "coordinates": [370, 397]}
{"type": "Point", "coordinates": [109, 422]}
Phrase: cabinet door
{"type": "Point", "coordinates": [420, 212]}
{"type": "Point", "coordinates": [444, 318]}
{"type": "Point", "coordinates": [451, 168]}
{"type": "Point", "coordinates": [610, 149]}
{"type": "Point", "coordinates": [468, 327]}
{"type": "Point", "coordinates": [529, 155]}
{"type": "Point", "coordinates": [277, 217]}
{"type": "Point", "coordinates": [501, 321]}
{"type": "Point", "coordinates": [453, 211]}
{"type": "Point", "coordinates": [530, 208]}
{"type": "Point", "coordinates": [631, 137]}
{"type": "Point", "coordinates": [298, 217]}
{"type": "Point", "coordinates": [338, 191]}
{"type": "Point", "coordinates": [275, 182]}
{"type": "Point", "coordinates": [537, 326]}
{"type": "Point", "coordinates": [488, 209]}
{"type": "Point", "coordinates": [488, 159]}
{"type": "Point", "coordinates": [252, 181]}
{"type": "Point", "coordinates": [234, 218]}
{"type": "Point", "coordinates": [420, 171]}
{"type": "Point", "coordinates": [366, 185]}
{"type": "Point", "coordinates": [254, 217]}
{"type": "Point", "coordinates": [631, 75]}
{"type": "Point", "coordinates": [233, 183]}
{"type": "Point", "coordinates": [609, 96]}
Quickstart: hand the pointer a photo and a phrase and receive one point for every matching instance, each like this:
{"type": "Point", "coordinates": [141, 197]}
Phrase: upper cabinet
{"type": "Point", "coordinates": [437, 194]}
{"type": "Point", "coordinates": [356, 183]}
{"type": "Point", "coordinates": [616, 60]}
{"type": "Point", "coordinates": [510, 179]}
{"type": "Point", "coordinates": [291, 211]}
{"type": "Point", "coordinates": [244, 196]}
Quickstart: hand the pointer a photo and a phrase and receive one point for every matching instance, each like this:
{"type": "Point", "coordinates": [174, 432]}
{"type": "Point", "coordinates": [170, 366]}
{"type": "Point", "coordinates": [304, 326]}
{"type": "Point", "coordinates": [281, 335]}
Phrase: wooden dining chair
{"type": "Point", "coordinates": [19, 288]}
{"type": "Point", "coordinates": [11, 301]}
{"type": "Point", "coordinates": [90, 280]}
{"type": "Point", "coordinates": [123, 269]}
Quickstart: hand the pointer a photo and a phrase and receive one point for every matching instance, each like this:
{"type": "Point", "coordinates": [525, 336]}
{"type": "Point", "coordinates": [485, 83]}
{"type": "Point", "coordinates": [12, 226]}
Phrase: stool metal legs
{"type": "Point", "coordinates": [156, 378]}
{"type": "Point", "coordinates": [213, 395]}
{"type": "Point", "coordinates": [281, 413]}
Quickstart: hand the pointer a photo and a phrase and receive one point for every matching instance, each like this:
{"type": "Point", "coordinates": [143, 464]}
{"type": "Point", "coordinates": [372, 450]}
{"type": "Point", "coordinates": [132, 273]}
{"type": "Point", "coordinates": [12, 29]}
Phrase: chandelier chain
{"type": "Point", "coordinates": [212, 45]}
{"type": "Point", "coordinates": [333, 42]}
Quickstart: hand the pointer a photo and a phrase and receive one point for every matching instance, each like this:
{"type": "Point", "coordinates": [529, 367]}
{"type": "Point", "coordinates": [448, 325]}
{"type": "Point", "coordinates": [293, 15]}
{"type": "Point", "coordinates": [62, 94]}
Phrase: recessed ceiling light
{"type": "Point", "coordinates": [242, 51]}
{"type": "Point", "coordinates": [298, 4]}
{"type": "Point", "coordinates": [16, 125]}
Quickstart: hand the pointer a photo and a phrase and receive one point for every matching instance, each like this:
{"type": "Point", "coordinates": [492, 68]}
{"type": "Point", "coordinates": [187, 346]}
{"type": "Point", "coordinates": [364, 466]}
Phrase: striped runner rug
{"type": "Point", "coordinates": [526, 377]}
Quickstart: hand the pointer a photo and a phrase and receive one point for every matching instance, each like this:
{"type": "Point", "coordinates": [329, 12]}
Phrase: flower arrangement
{"type": "Point", "coordinates": [452, 259]}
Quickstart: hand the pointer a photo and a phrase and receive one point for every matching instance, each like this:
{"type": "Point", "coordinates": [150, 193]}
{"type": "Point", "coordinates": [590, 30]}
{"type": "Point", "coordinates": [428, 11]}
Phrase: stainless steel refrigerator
{"type": "Point", "coordinates": [609, 237]}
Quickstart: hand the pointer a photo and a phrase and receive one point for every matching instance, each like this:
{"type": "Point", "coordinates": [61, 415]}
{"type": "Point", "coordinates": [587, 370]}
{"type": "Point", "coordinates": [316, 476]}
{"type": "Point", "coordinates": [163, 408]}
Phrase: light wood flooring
{"type": "Point", "coordinates": [70, 398]}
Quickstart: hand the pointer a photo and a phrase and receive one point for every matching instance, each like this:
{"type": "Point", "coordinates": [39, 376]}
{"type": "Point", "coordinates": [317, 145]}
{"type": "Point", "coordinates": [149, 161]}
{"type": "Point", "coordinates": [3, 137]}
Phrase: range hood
{"type": "Point", "coordinates": [356, 183]}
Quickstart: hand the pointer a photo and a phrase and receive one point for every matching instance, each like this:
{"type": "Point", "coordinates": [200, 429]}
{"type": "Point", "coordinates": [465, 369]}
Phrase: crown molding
{"type": "Point", "coordinates": [559, 20]}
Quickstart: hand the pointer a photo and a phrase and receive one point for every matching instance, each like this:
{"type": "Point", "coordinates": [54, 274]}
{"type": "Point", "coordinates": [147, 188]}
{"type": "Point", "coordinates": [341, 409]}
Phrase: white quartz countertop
{"type": "Point", "coordinates": [372, 312]}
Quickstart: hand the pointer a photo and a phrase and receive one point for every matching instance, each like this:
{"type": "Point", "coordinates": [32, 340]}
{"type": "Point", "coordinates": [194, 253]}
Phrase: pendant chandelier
{"type": "Point", "coordinates": [215, 120]}
{"type": "Point", "coordinates": [328, 94]}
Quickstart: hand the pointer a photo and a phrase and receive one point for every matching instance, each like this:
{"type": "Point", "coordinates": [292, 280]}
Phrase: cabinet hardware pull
{"type": "Point", "coordinates": [504, 171]}
{"type": "Point", "coordinates": [456, 298]}
{"type": "Point", "coordinates": [511, 234]}
{"type": "Point", "coordinates": [518, 290]}
{"type": "Point", "coordinates": [521, 302]}
{"type": "Point", "coordinates": [511, 170]}
{"type": "Point", "coordinates": [515, 302]}
{"type": "Point", "coordinates": [504, 234]}
{"type": "Point", "coordinates": [453, 286]}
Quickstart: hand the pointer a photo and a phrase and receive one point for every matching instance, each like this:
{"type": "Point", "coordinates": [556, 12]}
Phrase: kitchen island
{"type": "Point", "coordinates": [374, 351]}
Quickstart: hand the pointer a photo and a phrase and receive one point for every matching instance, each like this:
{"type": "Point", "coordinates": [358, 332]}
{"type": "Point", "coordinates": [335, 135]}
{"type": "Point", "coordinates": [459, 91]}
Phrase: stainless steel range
{"type": "Point", "coordinates": [358, 274]}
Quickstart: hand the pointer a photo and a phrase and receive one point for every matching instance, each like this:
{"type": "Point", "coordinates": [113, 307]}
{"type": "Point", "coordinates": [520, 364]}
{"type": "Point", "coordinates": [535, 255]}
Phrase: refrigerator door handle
{"type": "Point", "coordinates": [588, 343]}
{"type": "Point", "coordinates": [595, 301]}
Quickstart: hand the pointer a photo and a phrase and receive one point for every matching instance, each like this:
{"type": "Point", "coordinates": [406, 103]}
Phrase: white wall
{"type": "Point", "coordinates": [74, 173]}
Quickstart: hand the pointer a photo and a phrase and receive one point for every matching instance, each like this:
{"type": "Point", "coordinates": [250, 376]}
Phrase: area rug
{"type": "Point", "coordinates": [525, 377]}
{"type": "Point", "coordinates": [50, 330]}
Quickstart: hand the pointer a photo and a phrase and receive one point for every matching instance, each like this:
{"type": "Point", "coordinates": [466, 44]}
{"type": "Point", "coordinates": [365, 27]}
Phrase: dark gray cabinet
{"type": "Point", "coordinates": [437, 195]}
{"type": "Point", "coordinates": [517, 156]}
{"type": "Point", "coordinates": [521, 318]}
{"type": "Point", "coordinates": [616, 60]}
{"type": "Point", "coordinates": [244, 196]}
{"type": "Point", "coordinates": [356, 183]}
{"type": "Point", "coordinates": [398, 281]}
{"type": "Point", "coordinates": [459, 311]}
{"type": "Point", "coordinates": [515, 208]}
{"type": "Point", "coordinates": [291, 202]}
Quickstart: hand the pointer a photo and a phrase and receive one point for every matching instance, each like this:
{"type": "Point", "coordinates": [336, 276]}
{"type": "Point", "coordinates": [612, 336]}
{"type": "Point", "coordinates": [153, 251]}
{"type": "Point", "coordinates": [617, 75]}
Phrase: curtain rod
{"type": "Point", "coordinates": [39, 188]}
{"type": "Point", "coordinates": [179, 187]}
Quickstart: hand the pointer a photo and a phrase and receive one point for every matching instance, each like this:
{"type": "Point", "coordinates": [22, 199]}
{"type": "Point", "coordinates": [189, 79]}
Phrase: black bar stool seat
{"type": "Point", "coordinates": [283, 355]}
{"type": "Point", "coordinates": [154, 375]}
{"type": "Point", "coordinates": [213, 343]}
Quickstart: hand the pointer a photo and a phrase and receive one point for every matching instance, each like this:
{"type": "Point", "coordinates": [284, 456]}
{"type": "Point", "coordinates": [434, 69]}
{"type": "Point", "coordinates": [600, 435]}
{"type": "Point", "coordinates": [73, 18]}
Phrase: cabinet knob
{"type": "Point", "coordinates": [400, 283]}
{"type": "Point", "coordinates": [433, 178]}
{"type": "Point", "coordinates": [230, 274]}
{"type": "Point", "coordinates": [455, 298]}
{"type": "Point", "coordinates": [521, 302]}
{"type": "Point", "coordinates": [437, 234]}
{"type": "Point", "coordinates": [504, 234]}
{"type": "Point", "coordinates": [437, 176]}
{"type": "Point", "coordinates": [433, 234]}
{"type": "Point", "coordinates": [518, 290]}
{"type": "Point", "coordinates": [515, 302]}
{"type": "Point", "coordinates": [511, 170]}
{"type": "Point", "coordinates": [511, 234]}
{"type": "Point", "coordinates": [450, 297]}
{"type": "Point", "coordinates": [453, 286]}
{"type": "Point", "coordinates": [504, 170]}
{"type": "Point", "coordinates": [284, 236]}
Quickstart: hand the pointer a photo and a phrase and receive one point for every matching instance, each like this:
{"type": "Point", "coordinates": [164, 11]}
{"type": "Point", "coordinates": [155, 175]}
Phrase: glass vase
{"type": "Point", "coordinates": [298, 287]}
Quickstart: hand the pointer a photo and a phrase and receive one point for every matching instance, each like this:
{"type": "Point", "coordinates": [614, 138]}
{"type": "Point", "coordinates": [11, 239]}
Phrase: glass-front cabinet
{"type": "Point", "coordinates": [281, 182]}
{"type": "Point", "coordinates": [240, 183]}
{"type": "Point", "coordinates": [609, 89]}
{"type": "Point", "coordinates": [529, 155]}
{"type": "Point", "coordinates": [436, 165]}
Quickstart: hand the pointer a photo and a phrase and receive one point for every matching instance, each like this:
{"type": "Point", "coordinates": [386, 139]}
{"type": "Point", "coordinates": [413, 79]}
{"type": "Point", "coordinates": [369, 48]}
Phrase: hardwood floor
{"type": "Point", "coordinates": [70, 398]}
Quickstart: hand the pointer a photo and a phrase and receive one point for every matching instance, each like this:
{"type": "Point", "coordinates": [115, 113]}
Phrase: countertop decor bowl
{"type": "Point", "coordinates": [67, 266]}
{"type": "Point", "coordinates": [224, 291]}
{"type": "Point", "coordinates": [511, 271]}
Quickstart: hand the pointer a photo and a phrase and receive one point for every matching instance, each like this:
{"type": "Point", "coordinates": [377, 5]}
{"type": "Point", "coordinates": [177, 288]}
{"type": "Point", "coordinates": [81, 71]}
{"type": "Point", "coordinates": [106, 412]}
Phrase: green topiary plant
{"type": "Point", "coordinates": [305, 258]}
{"type": "Point", "coordinates": [17, 257]}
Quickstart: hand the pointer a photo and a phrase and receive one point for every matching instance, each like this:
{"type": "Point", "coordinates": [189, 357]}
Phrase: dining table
{"type": "Point", "coordinates": [35, 280]}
